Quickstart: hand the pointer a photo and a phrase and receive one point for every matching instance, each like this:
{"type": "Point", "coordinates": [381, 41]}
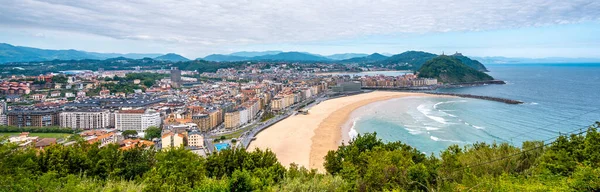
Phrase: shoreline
{"type": "Point", "coordinates": [335, 128]}
{"type": "Point", "coordinates": [306, 139]}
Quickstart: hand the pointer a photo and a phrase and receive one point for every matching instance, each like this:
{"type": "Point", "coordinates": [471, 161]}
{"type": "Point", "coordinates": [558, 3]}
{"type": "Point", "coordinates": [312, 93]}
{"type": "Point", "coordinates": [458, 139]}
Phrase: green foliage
{"type": "Point", "coordinates": [409, 60]}
{"type": "Point", "coordinates": [147, 79]}
{"type": "Point", "coordinates": [448, 69]}
{"type": "Point", "coordinates": [59, 79]}
{"type": "Point", "coordinates": [129, 133]}
{"type": "Point", "coordinates": [13, 129]}
{"type": "Point", "coordinates": [121, 87]}
{"type": "Point", "coordinates": [152, 132]}
{"type": "Point", "coordinates": [471, 63]}
{"type": "Point", "coordinates": [267, 116]}
{"type": "Point", "coordinates": [365, 164]}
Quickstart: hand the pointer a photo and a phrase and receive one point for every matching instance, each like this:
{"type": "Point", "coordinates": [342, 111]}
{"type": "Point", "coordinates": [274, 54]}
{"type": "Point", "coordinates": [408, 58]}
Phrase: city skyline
{"type": "Point", "coordinates": [533, 29]}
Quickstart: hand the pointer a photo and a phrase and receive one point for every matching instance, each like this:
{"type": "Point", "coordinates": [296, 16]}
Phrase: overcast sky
{"type": "Point", "coordinates": [196, 28]}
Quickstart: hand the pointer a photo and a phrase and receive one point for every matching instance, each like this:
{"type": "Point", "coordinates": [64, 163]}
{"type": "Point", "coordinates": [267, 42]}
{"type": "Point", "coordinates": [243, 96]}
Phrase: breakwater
{"type": "Point", "coordinates": [498, 99]}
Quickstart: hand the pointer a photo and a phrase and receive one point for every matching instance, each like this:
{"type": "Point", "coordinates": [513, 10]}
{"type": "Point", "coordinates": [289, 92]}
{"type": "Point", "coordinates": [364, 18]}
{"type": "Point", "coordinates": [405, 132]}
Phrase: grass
{"type": "Point", "coordinates": [239, 132]}
{"type": "Point", "coordinates": [41, 135]}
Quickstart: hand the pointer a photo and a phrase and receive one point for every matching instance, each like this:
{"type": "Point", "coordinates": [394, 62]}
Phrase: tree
{"type": "Point", "coordinates": [130, 133]}
{"type": "Point", "coordinates": [152, 132]}
{"type": "Point", "coordinates": [240, 181]}
{"type": "Point", "coordinates": [59, 79]}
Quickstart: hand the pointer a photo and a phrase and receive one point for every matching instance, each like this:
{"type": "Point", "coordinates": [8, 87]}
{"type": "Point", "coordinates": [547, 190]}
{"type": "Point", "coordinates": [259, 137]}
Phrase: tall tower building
{"type": "Point", "coordinates": [175, 77]}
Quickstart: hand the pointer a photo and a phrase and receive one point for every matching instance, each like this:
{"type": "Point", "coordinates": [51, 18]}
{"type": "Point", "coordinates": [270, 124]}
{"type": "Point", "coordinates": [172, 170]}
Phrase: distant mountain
{"type": "Point", "coordinates": [127, 55]}
{"type": "Point", "coordinates": [375, 57]}
{"type": "Point", "coordinates": [471, 63]}
{"type": "Point", "coordinates": [283, 56]}
{"type": "Point", "coordinates": [254, 53]}
{"type": "Point", "coordinates": [224, 58]}
{"type": "Point", "coordinates": [11, 53]}
{"type": "Point", "coordinates": [411, 59]}
{"type": "Point", "coordinates": [343, 56]}
{"type": "Point", "coordinates": [448, 69]}
{"type": "Point", "coordinates": [291, 56]}
{"type": "Point", "coordinates": [171, 57]}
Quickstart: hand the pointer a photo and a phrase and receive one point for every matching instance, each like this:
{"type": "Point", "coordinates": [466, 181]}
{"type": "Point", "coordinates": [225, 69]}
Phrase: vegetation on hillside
{"type": "Point", "coordinates": [448, 69]}
{"type": "Point", "coordinates": [470, 62]}
{"type": "Point", "coordinates": [570, 163]}
{"type": "Point", "coordinates": [409, 60]}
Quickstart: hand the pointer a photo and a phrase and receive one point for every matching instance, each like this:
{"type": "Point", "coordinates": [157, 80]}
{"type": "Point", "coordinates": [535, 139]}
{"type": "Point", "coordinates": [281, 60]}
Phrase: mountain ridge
{"type": "Point", "coordinates": [171, 57]}
{"type": "Point", "coordinates": [12, 53]}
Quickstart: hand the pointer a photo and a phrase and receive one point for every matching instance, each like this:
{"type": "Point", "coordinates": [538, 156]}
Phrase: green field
{"type": "Point", "coordinates": [41, 135]}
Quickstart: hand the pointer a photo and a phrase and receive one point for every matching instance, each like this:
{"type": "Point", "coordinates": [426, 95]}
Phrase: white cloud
{"type": "Point", "coordinates": [246, 22]}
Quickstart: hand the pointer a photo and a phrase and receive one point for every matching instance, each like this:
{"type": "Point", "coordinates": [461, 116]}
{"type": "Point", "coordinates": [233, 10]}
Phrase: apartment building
{"type": "Point", "coordinates": [138, 120]}
{"type": "Point", "coordinates": [171, 140]}
{"type": "Point", "coordinates": [232, 119]}
{"type": "Point", "coordinates": [33, 118]}
{"type": "Point", "coordinates": [85, 119]}
{"type": "Point", "coordinates": [195, 139]}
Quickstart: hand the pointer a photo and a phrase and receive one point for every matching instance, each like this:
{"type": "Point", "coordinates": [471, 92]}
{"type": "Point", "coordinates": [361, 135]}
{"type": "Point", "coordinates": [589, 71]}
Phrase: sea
{"type": "Point", "coordinates": [558, 99]}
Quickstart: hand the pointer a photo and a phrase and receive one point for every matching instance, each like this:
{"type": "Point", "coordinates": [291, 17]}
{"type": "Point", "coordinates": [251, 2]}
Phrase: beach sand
{"type": "Point", "coordinates": [306, 139]}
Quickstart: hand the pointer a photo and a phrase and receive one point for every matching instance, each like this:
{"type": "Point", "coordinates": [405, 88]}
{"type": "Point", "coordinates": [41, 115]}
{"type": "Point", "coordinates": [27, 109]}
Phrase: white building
{"type": "Point", "coordinates": [85, 119]}
{"type": "Point", "coordinates": [243, 116]}
{"type": "Point", "coordinates": [138, 120]}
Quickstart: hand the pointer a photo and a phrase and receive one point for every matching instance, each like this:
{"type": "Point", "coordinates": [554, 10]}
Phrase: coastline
{"type": "Point", "coordinates": [306, 139]}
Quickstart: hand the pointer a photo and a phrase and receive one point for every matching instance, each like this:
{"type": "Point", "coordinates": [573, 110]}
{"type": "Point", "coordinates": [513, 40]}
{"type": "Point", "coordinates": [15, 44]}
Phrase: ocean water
{"type": "Point", "coordinates": [559, 98]}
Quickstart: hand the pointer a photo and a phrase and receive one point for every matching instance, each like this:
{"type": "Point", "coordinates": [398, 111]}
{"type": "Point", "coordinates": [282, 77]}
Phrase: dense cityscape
{"type": "Point", "coordinates": [204, 112]}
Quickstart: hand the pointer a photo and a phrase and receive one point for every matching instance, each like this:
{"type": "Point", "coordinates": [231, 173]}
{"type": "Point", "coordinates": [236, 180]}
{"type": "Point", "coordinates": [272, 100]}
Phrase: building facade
{"type": "Point", "coordinates": [85, 119]}
{"type": "Point", "coordinates": [232, 119]}
{"type": "Point", "coordinates": [138, 120]}
{"type": "Point", "coordinates": [33, 118]}
{"type": "Point", "coordinates": [171, 140]}
{"type": "Point", "coordinates": [195, 139]}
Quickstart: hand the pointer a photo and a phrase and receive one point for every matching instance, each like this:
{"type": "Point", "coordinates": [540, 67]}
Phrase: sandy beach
{"type": "Point", "coordinates": [306, 139]}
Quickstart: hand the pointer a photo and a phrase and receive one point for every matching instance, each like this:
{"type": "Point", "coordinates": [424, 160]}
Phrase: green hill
{"type": "Point", "coordinates": [171, 57]}
{"type": "Point", "coordinates": [448, 69]}
{"type": "Point", "coordinates": [366, 59]}
{"type": "Point", "coordinates": [470, 62]}
{"type": "Point", "coordinates": [411, 60]}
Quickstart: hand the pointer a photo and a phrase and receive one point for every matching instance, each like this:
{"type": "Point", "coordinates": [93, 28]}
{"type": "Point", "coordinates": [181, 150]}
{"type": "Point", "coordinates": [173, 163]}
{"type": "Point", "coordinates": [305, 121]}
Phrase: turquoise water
{"type": "Point", "coordinates": [558, 98]}
{"type": "Point", "coordinates": [221, 146]}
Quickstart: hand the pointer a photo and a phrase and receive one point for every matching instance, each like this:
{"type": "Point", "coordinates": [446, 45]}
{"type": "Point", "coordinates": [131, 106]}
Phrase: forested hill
{"type": "Point", "coordinates": [448, 69]}
{"type": "Point", "coordinates": [568, 163]}
{"type": "Point", "coordinates": [470, 62]}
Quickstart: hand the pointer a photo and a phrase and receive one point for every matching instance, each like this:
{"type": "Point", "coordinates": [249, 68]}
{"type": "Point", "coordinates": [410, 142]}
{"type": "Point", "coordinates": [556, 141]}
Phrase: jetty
{"type": "Point", "coordinates": [498, 99]}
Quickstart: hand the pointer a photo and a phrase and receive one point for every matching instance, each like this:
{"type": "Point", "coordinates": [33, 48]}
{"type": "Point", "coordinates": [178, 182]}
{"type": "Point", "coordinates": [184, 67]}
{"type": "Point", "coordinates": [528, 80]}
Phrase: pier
{"type": "Point", "coordinates": [498, 99]}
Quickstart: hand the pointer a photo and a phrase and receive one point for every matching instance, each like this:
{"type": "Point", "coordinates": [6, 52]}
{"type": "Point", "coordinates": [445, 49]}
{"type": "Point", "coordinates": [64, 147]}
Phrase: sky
{"type": "Point", "coordinates": [196, 28]}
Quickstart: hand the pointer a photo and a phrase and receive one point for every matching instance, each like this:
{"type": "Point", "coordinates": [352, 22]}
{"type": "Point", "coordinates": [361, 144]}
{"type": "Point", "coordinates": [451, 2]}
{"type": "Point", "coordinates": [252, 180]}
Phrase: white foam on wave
{"type": "Point", "coordinates": [445, 102]}
{"type": "Point", "coordinates": [434, 138]}
{"type": "Point", "coordinates": [432, 128]}
{"type": "Point", "coordinates": [474, 126]}
{"type": "Point", "coordinates": [427, 112]}
{"type": "Point", "coordinates": [413, 131]}
{"type": "Point", "coordinates": [352, 134]}
{"type": "Point", "coordinates": [533, 103]}
{"type": "Point", "coordinates": [478, 127]}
